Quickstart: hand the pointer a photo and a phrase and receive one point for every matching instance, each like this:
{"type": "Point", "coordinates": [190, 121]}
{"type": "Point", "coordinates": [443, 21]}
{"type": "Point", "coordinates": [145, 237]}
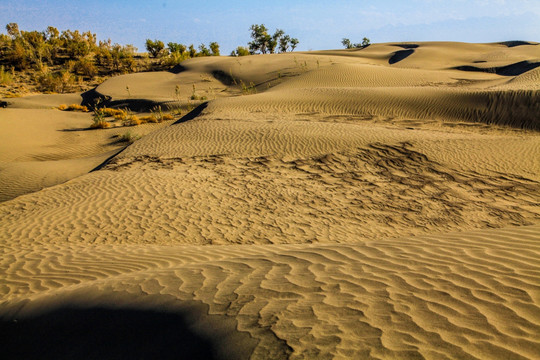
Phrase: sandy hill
{"type": "Point", "coordinates": [369, 203]}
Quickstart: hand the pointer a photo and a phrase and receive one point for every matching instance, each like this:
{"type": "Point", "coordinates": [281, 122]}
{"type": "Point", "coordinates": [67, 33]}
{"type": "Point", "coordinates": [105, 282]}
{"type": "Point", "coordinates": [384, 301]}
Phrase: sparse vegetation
{"type": "Point", "coordinates": [6, 78]}
{"type": "Point", "coordinates": [349, 45]}
{"type": "Point", "coordinates": [240, 51]}
{"type": "Point", "coordinates": [58, 82]}
{"type": "Point", "coordinates": [99, 121]}
{"type": "Point", "coordinates": [195, 96]}
{"type": "Point", "coordinates": [214, 47]}
{"type": "Point", "coordinates": [73, 107]}
{"type": "Point", "coordinates": [129, 137]}
{"type": "Point", "coordinates": [264, 43]}
{"type": "Point", "coordinates": [248, 89]}
{"type": "Point", "coordinates": [155, 48]}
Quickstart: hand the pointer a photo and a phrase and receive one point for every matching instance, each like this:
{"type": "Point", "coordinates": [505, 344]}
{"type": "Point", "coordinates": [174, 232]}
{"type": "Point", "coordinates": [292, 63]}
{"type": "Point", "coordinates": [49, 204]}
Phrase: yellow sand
{"type": "Point", "coordinates": [376, 203]}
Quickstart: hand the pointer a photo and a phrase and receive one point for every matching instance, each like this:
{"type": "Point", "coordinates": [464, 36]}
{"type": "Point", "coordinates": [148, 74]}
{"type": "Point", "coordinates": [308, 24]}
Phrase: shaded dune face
{"type": "Point", "coordinates": [349, 204]}
{"type": "Point", "coordinates": [101, 333]}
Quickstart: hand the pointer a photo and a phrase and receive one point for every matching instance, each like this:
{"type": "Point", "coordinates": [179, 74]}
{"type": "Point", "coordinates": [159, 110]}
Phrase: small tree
{"type": "Point", "coordinates": [347, 43]}
{"type": "Point", "coordinates": [154, 47]}
{"type": "Point", "coordinates": [13, 29]}
{"type": "Point", "coordinates": [192, 51]}
{"type": "Point", "coordinates": [214, 46]}
{"type": "Point", "coordinates": [176, 48]}
{"type": "Point", "coordinates": [261, 39]}
{"type": "Point", "coordinates": [204, 51]}
{"type": "Point", "coordinates": [284, 43]}
{"type": "Point", "coordinates": [263, 42]}
{"type": "Point", "coordinates": [241, 51]}
{"type": "Point", "coordinates": [294, 43]}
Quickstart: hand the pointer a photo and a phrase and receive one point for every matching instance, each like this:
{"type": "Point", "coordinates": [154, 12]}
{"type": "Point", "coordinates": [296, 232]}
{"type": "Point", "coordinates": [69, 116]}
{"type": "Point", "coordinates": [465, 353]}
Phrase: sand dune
{"type": "Point", "coordinates": [371, 204]}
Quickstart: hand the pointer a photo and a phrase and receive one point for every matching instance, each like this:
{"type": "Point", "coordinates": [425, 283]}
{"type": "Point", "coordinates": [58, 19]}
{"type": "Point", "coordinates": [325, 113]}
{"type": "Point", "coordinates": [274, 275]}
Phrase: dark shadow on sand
{"type": "Point", "coordinates": [192, 114]}
{"type": "Point", "coordinates": [508, 70]}
{"type": "Point", "coordinates": [515, 43]}
{"type": "Point", "coordinates": [400, 55]}
{"type": "Point", "coordinates": [407, 46]}
{"type": "Point", "coordinates": [102, 333]}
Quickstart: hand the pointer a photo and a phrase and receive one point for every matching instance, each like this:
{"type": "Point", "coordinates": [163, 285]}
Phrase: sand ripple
{"type": "Point", "coordinates": [460, 295]}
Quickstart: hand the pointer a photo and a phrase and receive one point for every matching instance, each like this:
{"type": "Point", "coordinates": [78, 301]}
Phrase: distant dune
{"type": "Point", "coordinates": [368, 203]}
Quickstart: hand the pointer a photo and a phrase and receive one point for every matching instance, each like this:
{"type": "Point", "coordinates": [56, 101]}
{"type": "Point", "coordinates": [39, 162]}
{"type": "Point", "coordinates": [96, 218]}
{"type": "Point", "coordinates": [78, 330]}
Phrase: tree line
{"type": "Point", "coordinates": [36, 49]}
{"type": "Point", "coordinates": [263, 43]}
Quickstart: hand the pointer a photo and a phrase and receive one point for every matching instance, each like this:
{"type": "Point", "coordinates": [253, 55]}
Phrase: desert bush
{"type": "Point", "coordinates": [13, 30]}
{"type": "Point", "coordinates": [155, 48]}
{"type": "Point", "coordinates": [129, 137]}
{"type": "Point", "coordinates": [192, 51]}
{"type": "Point", "coordinates": [132, 120]}
{"type": "Point", "coordinates": [18, 55]}
{"type": "Point", "coordinates": [6, 78]}
{"type": "Point", "coordinates": [214, 47]}
{"type": "Point", "coordinates": [110, 112]}
{"type": "Point", "coordinates": [73, 107]}
{"type": "Point", "coordinates": [121, 115]}
{"type": "Point", "coordinates": [78, 44]}
{"type": "Point", "coordinates": [176, 48]}
{"type": "Point", "coordinates": [174, 58]}
{"type": "Point", "coordinates": [203, 50]}
{"type": "Point", "coordinates": [349, 45]}
{"type": "Point", "coordinates": [294, 43]}
{"type": "Point", "coordinates": [248, 89]}
{"type": "Point", "coordinates": [85, 67]}
{"type": "Point", "coordinates": [59, 82]}
{"type": "Point", "coordinates": [122, 57]}
{"type": "Point", "coordinates": [266, 43]}
{"type": "Point", "coordinates": [149, 119]}
{"type": "Point", "coordinates": [240, 51]}
{"type": "Point", "coordinates": [195, 96]}
{"type": "Point", "coordinates": [99, 121]}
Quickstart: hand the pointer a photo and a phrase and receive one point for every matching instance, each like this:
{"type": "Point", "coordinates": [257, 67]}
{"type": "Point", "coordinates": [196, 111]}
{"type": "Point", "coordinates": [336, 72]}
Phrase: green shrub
{"type": "Point", "coordinates": [174, 58]}
{"type": "Point", "coordinates": [241, 51]}
{"type": "Point", "coordinates": [85, 67]}
{"type": "Point", "coordinates": [6, 78]}
{"type": "Point", "coordinates": [214, 47]}
{"type": "Point", "coordinates": [155, 48]}
{"type": "Point", "coordinates": [99, 121]}
{"type": "Point", "coordinates": [266, 43]}
{"type": "Point", "coordinates": [59, 82]}
{"type": "Point", "coordinates": [129, 137]}
{"type": "Point", "coordinates": [176, 48]}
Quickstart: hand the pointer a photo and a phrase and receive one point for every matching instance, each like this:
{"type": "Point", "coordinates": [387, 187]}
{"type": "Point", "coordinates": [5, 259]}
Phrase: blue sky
{"type": "Point", "coordinates": [317, 24]}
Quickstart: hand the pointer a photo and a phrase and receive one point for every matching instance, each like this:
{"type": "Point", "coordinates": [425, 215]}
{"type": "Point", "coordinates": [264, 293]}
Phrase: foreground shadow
{"type": "Point", "coordinates": [192, 114]}
{"type": "Point", "coordinates": [102, 333]}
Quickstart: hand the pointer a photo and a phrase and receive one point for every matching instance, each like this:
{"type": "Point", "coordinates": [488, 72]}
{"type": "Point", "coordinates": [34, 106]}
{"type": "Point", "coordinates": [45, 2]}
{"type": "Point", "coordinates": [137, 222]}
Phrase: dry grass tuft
{"type": "Point", "coordinates": [73, 107]}
{"type": "Point", "coordinates": [129, 137]}
{"type": "Point", "coordinates": [110, 112]}
{"type": "Point", "coordinates": [132, 120]}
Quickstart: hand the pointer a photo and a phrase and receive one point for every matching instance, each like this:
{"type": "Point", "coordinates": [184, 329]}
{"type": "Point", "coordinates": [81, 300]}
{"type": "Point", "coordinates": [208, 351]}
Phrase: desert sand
{"type": "Point", "coordinates": [376, 203]}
